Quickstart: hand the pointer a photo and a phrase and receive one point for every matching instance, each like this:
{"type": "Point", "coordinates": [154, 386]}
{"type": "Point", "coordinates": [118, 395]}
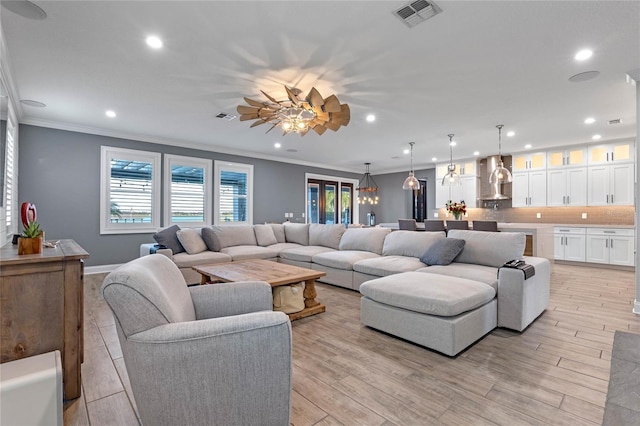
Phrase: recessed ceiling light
{"type": "Point", "coordinates": [277, 144]}
{"type": "Point", "coordinates": [292, 150]}
{"type": "Point", "coordinates": [476, 152]}
{"type": "Point", "coordinates": [32, 103]}
{"type": "Point", "coordinates": [371, 118]}
{"type": "Point", "coordinates": [511, 134]}
{"type": "Point", "coordinates": [584, 76]}
{"type": "Point", "coordinates": [589, 120]}
{"type": "Point", "coordinates": [583, 55]}
{"type": "Point", "coordinates": [154, 42]}
{"type": "Point", "coordinates": [434, 159]}
{"type": "Point", "coordinates": [405, 152]}
{"type": "Point", "coordinates": [596, 137]}
{"type": "Point", "coordinates": [527, 146]}
{"type": "Point", "coordinates": [110, 114]}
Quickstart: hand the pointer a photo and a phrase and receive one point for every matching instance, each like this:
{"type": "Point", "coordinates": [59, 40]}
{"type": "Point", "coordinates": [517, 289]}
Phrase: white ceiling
{"type": "Point", "coordinates": [475, 65]}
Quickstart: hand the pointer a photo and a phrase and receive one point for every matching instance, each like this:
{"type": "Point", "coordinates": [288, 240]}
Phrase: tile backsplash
{"type": "Point", "coordinates": [605, 215]}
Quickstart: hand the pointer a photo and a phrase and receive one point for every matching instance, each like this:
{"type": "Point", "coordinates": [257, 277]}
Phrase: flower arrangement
{"type": "Point", "coordinates": [457, 209]}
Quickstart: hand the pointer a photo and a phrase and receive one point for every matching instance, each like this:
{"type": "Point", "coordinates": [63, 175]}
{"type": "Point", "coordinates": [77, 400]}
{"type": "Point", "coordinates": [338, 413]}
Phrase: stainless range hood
{"type": "Point", "coordinates": [496, 191]}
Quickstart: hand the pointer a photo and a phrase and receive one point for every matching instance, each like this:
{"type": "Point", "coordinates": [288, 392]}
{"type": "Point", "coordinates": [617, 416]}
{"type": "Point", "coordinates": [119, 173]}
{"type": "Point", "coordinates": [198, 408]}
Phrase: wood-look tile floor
{"type": "Point", "coordinates": [555, 372]}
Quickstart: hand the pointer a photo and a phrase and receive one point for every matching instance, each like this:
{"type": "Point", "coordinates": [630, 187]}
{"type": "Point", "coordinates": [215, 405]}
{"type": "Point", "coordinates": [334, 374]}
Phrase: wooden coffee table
{"type": "Point", "coordinates": [274, 273]}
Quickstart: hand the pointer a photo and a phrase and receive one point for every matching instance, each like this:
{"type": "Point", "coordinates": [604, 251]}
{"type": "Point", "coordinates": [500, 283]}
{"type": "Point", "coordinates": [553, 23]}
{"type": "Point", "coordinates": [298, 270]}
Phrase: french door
{"type": "Point", "coordinates": [329, 201]}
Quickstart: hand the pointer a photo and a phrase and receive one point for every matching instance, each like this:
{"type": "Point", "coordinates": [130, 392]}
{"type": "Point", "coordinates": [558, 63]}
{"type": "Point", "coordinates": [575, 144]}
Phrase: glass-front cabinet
{"type": "Point", "coordinates": [529, 161]}
{"type": "Point", "coordinates": [611, 153]}
{"type": "Point", "coordinates": [567, 157]}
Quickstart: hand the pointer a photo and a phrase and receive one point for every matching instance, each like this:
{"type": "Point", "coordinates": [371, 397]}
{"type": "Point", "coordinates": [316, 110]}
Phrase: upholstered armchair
{"type": "Point", "coordinates": [207, 355]}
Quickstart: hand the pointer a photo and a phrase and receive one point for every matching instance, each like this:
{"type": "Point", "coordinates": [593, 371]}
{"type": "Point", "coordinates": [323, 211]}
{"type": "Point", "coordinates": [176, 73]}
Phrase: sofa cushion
{"type": "Point", "coordinates": [265, 235]}
{"type": "Point", "coordinates": [297, 233]}
{"type": "Point", "coordinates": [191, 240]}
{"type": "Point", "coordinates": [364, 239]}
{"type": "Point", "coordinates": [489, 248]}
{"type": "Point", "coordinates": [342, 259]}
{"type": "Point", "coordinates": [185, 260]}
{"type": "Point", "coordinates": [219, 237]}
{"type": "Point", "coordinates": [387, 265]}
{"type": "Point", "coordinates": [326, 235]}
{"type": "Point", "coordinates": [410, 243]}
{"type": "Point", "coordinates": [303, 253]}
{"type": "Point", "coordinates": [278, 247]}
{"type": "Point", "coordinates": [429, 293]}
{"type": "Point", "coordinates": [278, 231]}
{"type": "Point", "coordinates": [249, 252]}
{"type": "Point", "coordinates": [442, 252]}
{"type": "Point", "coordinates": [484, 274]}
{"type": "Point", "coordinates": [168, 237]}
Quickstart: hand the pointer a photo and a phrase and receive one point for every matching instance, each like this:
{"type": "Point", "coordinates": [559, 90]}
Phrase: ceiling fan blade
{"type": "Point", "coordinates": [272, 127]}
{"type": "Point", "coordinates": [292, 96]}
{"type": "Point", "coordinates": [254, 103]}
{"type": "Point", "coordinates": [243, 109]}
{"type": "Point", "coordinates": [320, 129]}
{"type": "Point", "coordinates": [272, 99]}
{"type": "Point", "coordinates": [332, 126]}
{"type": "Point", "coordinates": [332, 104]}
{"type": "Point", "coordinates": [304, 132]}
{"type": "Point", "coordinates": [343, 117]}
{"type": "Point", "coordinates": [322, 116]}
{"type": "Point", "coordinates": [257, 123]}
{"type": "Point", "coordinates": [245, 117]}
{"type": "Point", "coordinates": [315, 98]}
{"type": "Point", "coordinates": [263, 113]}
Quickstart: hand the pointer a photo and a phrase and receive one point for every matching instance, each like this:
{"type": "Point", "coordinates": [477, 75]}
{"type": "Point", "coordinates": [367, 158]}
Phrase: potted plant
{"type": "Point", "coordinates": [457, 209]}
{"type": "Point", "coordinates": [30, 241]}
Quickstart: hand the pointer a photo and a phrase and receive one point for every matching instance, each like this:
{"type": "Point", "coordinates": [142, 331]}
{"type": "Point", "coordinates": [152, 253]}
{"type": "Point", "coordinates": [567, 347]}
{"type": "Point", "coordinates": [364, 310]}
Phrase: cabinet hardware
{"type": "Point", "coordinates": [607, 198]}
{"type": "Point", "coordinates": [611, 198]}
{"type": "Point", "coordinates": [612, 156]}
{"type": "Point", "coordinates": [566, 241]}
{"type": "Point", "coordinates": [564, 199]}
{"type": "Point", "coordinates": [611, 242]}
{"type": "Point", "coordinates": [609, 232]}
{"type": "Point", "coordinates": [568, 202]}
{"type": "Point", "coordinates": [606, 243]}
{"type": "Point", "coordinates": [607, 156]}
{"type": "Point", "coordinates": [564, 230]}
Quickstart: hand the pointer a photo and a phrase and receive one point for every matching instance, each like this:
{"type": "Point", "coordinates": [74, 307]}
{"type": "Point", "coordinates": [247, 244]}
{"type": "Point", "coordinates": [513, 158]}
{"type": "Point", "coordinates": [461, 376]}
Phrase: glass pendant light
{"type": "Point", "coordinates": [500, 174]}
{"type": "Point", "coordinates": [451, 178]}
{"type": "Point", "coordinates": [411, 183]}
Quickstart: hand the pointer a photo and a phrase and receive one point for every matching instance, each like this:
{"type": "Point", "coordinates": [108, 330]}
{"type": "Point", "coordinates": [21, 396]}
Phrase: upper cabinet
{"type": "Point", "coordinates": [611, 153]}
{"type": "Point", "coordinates": [575, 156]}
{"type": "Point", "coordinates": [463, 168]}
{"type": "Point", "coordinates": [529, 161]}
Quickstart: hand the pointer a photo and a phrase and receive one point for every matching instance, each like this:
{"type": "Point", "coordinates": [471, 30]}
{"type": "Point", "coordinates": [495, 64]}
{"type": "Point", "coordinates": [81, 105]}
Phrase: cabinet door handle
{"type": "Point", "coordinates": [611, 238]}
{"type": "Point", "coordinates": [612, 156]}
{"type": "Point", "coordinates": [564, 200]}
{"type": "Point", "coordinates": [611, 198]}
{"type": "Point", "coordinates": [607, 198]}
{"type": "Point", "coordinates": [606, 243]}
{"type": "Point", "coordinates": [566, 240]}
{"type": "Point", "coordinates": [568, 202]}
{"type": "Point", "coordinates": [607, 156]}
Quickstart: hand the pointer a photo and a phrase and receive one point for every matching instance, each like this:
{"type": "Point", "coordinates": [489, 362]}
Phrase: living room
{"type": "Point", "coordinates": [470, 67]}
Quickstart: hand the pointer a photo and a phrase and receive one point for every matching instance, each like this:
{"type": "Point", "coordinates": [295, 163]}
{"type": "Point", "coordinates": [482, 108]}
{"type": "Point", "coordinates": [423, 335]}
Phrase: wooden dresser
{"type": "Point", "coordinates": [41, 307]}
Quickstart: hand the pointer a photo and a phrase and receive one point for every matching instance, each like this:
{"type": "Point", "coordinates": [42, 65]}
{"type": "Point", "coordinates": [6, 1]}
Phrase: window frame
{"type": "Point", "coordinates": [155, 158]}
{"type": "Point", "coordinates": [169, 161]}
{"type": "Point", "coordinates": [355, 207]}
{"type": "Point", "coordinates": [219, 166]}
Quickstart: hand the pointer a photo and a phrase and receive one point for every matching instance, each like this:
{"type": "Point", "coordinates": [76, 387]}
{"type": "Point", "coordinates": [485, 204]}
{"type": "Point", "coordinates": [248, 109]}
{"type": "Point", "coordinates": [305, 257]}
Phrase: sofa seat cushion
{"type": "Point", "coordinates": [484, 274]}
{"type": "Point", "coordinates": [278, 247]}
{"type": "Point", "coordinates": [426, 293]}
{"type": "Point", "coordinates": [343, 259]}
{"type": "Point", "coordinates": [249, 252]}
{"type": "Point", "coordinates": [387, 265]}
{"type": "Point", "coordinates": [184, 260]}
{"type": "Point", "coordinates": [303, 253]}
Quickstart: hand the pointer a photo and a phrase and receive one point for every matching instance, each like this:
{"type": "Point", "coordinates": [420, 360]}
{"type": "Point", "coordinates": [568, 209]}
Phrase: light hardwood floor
{"type": "Point", "coordinates": [555, 372]}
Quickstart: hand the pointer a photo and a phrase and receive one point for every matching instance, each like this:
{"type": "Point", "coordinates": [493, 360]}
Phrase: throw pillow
{"type": "Point", "coordinates": [265, 235]}
{"type": "Point", "coordinates": [443, 251]}
{"type": "Point", "coordinates": [168, 237]}
{"type": "Point", "coordinates": [192, 241]}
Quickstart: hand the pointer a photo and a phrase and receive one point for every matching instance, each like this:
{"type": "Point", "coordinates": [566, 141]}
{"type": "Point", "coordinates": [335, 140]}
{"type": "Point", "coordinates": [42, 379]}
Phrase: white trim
{"type": "Point", "coordinates": [206, 164]}
{"type": "Point", "coordinates": [340, 180]}
{"type": "Point", "coordinates": [100, 269]}
{"type": "Point", "coordinates": [636, 307]}
{"type": "Point", "coordinates": [106, 154]}
{"type": "Point", "coordinates": [218, 167]}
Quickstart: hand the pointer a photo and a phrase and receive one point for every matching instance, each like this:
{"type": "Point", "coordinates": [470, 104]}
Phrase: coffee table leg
{"type": "Point", "coordinates": [310, 294]}
{"type": "Point", "coordinates": [203, 279]}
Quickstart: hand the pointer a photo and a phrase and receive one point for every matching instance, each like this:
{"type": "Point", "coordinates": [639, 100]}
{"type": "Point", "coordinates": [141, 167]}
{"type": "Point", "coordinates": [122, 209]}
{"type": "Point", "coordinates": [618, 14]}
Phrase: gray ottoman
{"type": "Point", "coordinates": [441, 312]}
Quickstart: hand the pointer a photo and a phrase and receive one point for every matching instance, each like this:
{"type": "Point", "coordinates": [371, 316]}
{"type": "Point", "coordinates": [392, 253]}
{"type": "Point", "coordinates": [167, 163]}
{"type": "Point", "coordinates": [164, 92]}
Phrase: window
{"type": "Point", "coordinates": [187, 191]}
{"type": "Point", "coordinates": [10, 175]}
{"type": "Point", "coordinates": [234, 193]}
{"type": "Point", "coordinates": [129, 191]}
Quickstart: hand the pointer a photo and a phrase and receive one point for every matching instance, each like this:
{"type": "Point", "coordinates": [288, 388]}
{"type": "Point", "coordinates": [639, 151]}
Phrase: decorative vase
{"type": "Point", "coordinates": [457, 215]}
{"type": "Point", "coordinates": [30, 245]}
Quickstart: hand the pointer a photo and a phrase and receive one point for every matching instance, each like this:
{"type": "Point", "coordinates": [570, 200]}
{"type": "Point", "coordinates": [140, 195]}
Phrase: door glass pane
{"type": "Point", "coordinates": [555, 159]}
{"type": "Point", "coordinates": [330, 204]}
{"type": "Point", "coordinates": [621, 152]}
{"type": "Point", "coordinates": [575, 157]}
{"type": "Point", "coordinates": [519, 163]}
{"type": "Point", "coordinates": [537, 161]}
{"type": "Point", "coordinates": [313, 201]}
{"type": "Point", "coordinates": [598, 154]}
{"type": "Point", "coordinates": [345, 204]}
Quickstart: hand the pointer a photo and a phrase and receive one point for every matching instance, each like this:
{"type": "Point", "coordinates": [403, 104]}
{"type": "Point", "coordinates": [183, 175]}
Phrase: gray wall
{"type": "Point", "coordinates": [59, 171]}
{"type": "Point", "coordinates": [395, 203]}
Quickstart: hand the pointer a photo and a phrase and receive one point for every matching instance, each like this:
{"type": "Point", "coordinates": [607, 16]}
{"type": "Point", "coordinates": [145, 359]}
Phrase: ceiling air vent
{"type": "Point", "coordinates": [226, 116]}
{"type": "Point", "coordinates": [615, 121]}
{"type": "Point", "coordinates": [418, 11]}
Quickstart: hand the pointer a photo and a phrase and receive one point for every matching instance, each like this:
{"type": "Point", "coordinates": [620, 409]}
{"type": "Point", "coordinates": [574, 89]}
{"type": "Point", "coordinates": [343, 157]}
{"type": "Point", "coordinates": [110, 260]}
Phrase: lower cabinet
{"type": "Point", "coordinates": [610, 246]}
{"type": "Point", "coordinates": [569, 244]}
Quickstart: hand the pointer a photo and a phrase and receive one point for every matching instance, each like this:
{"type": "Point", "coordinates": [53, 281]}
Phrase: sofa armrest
{"type": "Point", "coordinates": [226, 299]}
{"type": "Point", "coordinates": [521, 301]}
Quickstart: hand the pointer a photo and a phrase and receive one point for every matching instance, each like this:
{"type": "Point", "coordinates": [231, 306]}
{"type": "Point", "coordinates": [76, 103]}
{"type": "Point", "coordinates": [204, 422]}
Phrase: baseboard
{"type": "Point", "coordinates": [100, 269]}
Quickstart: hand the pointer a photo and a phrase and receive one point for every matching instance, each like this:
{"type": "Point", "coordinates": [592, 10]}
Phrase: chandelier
{"type": "Point", "coordinates": [500, 174]}
{"type": "Point", "coordinates": [296, 114]}
{"type": "Point", "coordinates": [451, 178]}
{"type": "Point", "coordinates": [367, 188]}
{"type": "Point", "coordinates": [411, 182]}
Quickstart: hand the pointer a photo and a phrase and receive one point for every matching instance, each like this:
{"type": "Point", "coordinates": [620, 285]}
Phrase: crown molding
{"type": "Point", "coordinates": [184, 144]}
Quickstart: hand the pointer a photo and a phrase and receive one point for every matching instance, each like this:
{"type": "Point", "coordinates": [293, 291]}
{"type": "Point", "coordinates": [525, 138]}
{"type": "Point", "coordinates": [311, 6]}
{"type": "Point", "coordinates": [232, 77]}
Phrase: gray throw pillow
{"type": "Point", "coordinates": [443, 251]}
{"type": "Point", "coordinates": [168, 237]}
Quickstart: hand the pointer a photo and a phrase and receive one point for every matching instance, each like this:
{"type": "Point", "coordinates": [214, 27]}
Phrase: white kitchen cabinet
{"type": "Point", "coordinates": [529, 161]}
{"type": "Point", "coordinates": [575, 156]}
{"type": "Point", "coordinates": [610, 184]}
{"type": "Point", "coordinates": [611, 153]}
{"type": "Point", "coordinates": [569, 244]}
{"type": "Point", "coordinates": [610, 246]}
{"type": "Point", "coordinates": [567, 186]}
{"type": "Point", "coordinates": [529, 189]}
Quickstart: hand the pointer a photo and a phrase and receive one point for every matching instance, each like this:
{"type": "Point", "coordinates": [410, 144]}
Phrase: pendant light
{"type": "Point", "coordinates": [500, 174]}
{"type": "Point", "coordinates": [411, 183]}
{"type": "Point", "coordinates": [451, 178]}
{"type": "Point", "coordinates": [367, 188]}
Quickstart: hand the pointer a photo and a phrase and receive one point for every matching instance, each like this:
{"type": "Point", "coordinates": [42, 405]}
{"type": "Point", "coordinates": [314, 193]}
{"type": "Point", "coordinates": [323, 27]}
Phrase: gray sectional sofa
{"type": "Point", "coordinates": [445, 305]}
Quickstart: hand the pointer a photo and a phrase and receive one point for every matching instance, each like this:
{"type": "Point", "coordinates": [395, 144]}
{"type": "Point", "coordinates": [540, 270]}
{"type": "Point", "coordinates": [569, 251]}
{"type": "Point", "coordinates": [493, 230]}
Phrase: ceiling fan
{"type": "Point", "coordinates": [297, 115]}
